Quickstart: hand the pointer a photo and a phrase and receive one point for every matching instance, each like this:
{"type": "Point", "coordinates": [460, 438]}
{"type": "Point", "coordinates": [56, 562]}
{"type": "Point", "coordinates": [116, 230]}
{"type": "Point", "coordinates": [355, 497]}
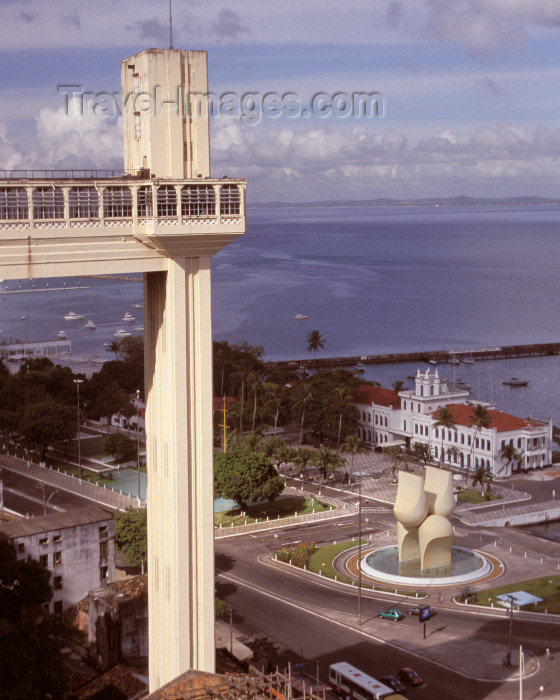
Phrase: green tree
{"type": "Point", "coordinates": [120, 447]}
{"type": "Point", "coordinates": [397, 456]}
{"type": "Point", "coordinates": [398, 385]}
{"type": "Point", "coordinates": [246, 476]}
{"type": "Point", "coordinates": [422, 452]}
{"type": "Point", "coordinates": [353, 445]}
{"type": "Point", "coordinates": [45, 423]}
{"type": "Point", "coordinates": [303, 458]}
{"type": "Point", "coordinates": [31, 664]}
{"type": "Point", "coordinates": [508, 454]}
{"type": "Point", "coordinates": [445, 421]}
{"type": "Point", "coordinates": [315, 342]}
{"type": "Point", "coordinates": [273, 394]}
{"type": "Point", "coordinates": [483, 476]}
{"type": "Point", "coordinates": [221, 608]}
{"type": "Point", "coordinates": [305, 398]}
{"type": "Point", "coordinates": [480, 418]}
{"type": "Point", "coordinates": [342, 400]}
{"type": "Point", "coordinates": [327, 461]}
{"type": "Point", "coordinates": [131, 535]}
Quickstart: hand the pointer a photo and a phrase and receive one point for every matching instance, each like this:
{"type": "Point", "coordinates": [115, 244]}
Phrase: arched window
{"type": "Point", "coordinates": [198, 200]}
{"type": "Point", "coordinates": [230, 200]}
{"type": "Point", "coordinates": [117, 202]}
{"type": "Point", "coordinates": [166, 201]}
{"type": "Point", "coordinates": [48, 203]}
{"type": "Point", "coordinates": [13, 203]}
{"type": "Point", "coordinates": [83, 203]}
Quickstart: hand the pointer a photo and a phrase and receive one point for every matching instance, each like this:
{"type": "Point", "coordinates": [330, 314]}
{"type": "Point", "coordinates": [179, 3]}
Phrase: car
{"type": "Point", "coordinates": [423, 611]}
{"type": "Point", "coordinates": [394, 683]}
{"type": "Point", "coordinates": [409, 676]}
{"type": "Point", "coordinates": [391, 614]}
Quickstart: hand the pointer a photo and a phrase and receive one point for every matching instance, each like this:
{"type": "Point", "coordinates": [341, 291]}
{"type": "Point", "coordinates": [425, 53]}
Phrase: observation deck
{"type": "Point", "coordinates": [117, 220]}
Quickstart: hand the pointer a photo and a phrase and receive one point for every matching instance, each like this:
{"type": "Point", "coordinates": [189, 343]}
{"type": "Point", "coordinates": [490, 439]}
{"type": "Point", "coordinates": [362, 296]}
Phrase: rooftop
{"type": "Point", "coordinates": [55, 521]}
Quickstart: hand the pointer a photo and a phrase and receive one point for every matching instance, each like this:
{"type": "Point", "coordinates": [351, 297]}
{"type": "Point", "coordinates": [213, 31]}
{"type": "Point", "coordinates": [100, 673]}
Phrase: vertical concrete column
{"type": "Point", "coordinates": [178, 358]}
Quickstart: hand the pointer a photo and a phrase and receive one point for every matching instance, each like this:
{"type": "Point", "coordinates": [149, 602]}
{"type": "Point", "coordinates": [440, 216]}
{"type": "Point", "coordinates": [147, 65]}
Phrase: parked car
{"type": "Point", "coordinates": [409, 676]}
{"type": "Point", "coordinates": [394, 683]}
{"type": "Point", "coordinates": [391, 614]}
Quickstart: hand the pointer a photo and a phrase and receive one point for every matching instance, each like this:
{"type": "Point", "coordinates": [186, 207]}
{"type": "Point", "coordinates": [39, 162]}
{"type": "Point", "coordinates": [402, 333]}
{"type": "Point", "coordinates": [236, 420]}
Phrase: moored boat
{"type": "Point", "coordinates": [128, 317]}
{"type": "Point", "coordinates": [90, 324]}
{"type": "Point", "coordinates": [515, 381]}
{"type": "Point", "coordinates": [121, 333]}
{"type": "Point", "coordinates": [61, 335]}
{"type": "Point", "coordinates": [72, 316]}
{"type": "Point", "coordinates": [300, 317]}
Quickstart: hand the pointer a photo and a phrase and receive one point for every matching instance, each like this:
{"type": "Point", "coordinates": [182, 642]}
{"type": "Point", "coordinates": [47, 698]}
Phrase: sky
{"type": "Point", "coordinates": [462, 96]}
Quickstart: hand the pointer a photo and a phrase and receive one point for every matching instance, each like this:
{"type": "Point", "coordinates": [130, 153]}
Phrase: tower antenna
{"type": "Point", "coordinates": [170, 26]}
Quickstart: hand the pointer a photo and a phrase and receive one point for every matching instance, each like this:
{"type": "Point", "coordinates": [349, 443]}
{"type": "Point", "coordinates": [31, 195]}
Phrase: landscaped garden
{"type": "Point", "coordinates": [282, 507]}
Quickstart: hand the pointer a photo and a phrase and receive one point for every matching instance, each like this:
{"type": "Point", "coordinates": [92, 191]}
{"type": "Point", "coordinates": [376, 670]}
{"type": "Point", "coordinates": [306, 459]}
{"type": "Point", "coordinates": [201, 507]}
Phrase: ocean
{"type": "Point", "coordinates": [371, 280]}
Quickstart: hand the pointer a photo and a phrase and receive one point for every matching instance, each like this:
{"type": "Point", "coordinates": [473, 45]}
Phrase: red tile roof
{"type": "Point", "coordinates": [503, 422]}
{"type": "Point", "coordinates": [366, 394]}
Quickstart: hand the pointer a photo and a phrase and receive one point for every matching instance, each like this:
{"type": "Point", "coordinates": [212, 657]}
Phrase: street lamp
{"type": "Point", "coordinates": [507, 660]}
{"type": "Point", "coordinates": [138, 441]}
{"type": "Point", "coordinates": [359, 549]}
{"type": "Point", "coordinates": [77, 382]}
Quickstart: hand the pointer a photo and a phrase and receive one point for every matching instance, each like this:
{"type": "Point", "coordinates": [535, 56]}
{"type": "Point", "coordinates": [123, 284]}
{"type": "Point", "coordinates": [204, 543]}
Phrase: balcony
{"type": "Point", "coordinates": [101, 210]}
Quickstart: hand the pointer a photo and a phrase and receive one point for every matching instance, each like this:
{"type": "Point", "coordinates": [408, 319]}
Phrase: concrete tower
{"type": "Point", "coordinates": [165, 217]}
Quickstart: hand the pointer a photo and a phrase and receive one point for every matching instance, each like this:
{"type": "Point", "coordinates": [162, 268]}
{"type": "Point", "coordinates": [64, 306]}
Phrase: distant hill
{"type": "Point", "coordinates": [429, 201]}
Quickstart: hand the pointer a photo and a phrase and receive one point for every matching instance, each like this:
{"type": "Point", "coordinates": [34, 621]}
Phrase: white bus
{"type": "Point", "coordinates": [350, 681]}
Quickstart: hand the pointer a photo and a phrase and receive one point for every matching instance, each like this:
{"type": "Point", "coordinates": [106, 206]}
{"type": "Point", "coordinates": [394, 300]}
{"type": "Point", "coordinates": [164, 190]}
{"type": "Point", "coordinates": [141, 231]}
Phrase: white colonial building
{"type": "Point", "coordinates": [411, 416]}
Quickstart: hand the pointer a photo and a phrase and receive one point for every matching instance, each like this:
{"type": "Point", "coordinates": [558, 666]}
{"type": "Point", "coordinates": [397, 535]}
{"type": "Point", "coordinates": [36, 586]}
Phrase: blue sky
{"type": "Point", "coordinates": [469, 89]}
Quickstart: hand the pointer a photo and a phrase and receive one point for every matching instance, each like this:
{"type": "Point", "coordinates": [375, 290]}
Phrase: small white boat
{"type": "Point", "coordinates": [514, 381]}
{"type": "Point", "coordinates": [432, 362]}
{"type": "Point", "coordinates": [73, 316]}
{"type": "Point", "coordinates": [359, 367]}
{"type": "Point", "coordinates": [138, 306]}
{"type": "Point", "coordinates": [299, 317]}
{"type": "Point", "coordinates": [61, 335]}
{"type": "Point", "coordinates": [121, 333]}
{"type": "Point", "coordinates": [468, 360]}
{"type": "Point", "coordinates": [139, 329]}
{"type": "Point", "coordinates": [453, 361]}
{"type": "Point", "coordinates": [128, 317]}
{"type": "Point", "coordinates": [90, 324]}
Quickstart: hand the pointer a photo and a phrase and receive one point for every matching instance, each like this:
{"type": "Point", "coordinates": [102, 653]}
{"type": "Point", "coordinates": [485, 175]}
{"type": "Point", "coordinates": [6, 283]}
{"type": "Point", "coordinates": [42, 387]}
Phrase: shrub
{"type": "Point", "coordinates": [298, 554]}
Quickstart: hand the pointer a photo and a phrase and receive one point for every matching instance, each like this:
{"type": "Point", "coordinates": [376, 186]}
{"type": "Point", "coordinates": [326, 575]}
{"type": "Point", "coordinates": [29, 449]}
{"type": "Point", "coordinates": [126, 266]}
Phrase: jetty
{"type": "Point", "coordinates": [434, 357]}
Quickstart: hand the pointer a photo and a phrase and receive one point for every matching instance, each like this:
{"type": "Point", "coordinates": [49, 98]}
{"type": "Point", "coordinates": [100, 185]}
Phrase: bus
{"type": "Point", "coordinates": [349, 681]}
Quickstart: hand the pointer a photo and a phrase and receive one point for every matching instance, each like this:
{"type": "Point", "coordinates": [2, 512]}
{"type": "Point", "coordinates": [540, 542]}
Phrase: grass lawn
{"type": "Point", "coordinates": [326, 555]}
{"type": "Point", "coordinates": [546, 587]}
{"type": "Point", "coordinates": [474, 496]}
{"type": "Point", "coordinates": [283, 507]}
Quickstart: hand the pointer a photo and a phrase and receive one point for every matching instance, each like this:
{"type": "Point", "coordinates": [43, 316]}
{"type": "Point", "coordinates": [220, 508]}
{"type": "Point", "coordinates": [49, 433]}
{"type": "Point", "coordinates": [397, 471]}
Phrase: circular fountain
{"type": "Point", "coordinates": [466, 565]}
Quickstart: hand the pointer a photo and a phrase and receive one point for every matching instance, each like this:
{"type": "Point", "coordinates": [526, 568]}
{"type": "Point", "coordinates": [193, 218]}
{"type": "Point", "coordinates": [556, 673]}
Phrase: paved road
{"type": "Point", "coordinates": [264, 601]}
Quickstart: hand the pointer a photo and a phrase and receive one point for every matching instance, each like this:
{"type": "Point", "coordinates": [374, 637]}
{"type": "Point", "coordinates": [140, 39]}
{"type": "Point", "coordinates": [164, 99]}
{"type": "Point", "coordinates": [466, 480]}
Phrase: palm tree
{"type": "Point", "coordinates": [304, 457]}
{"type": "Point", "coordinates": [305, 399]}
{"type": "Point", "coordinates": [353, 445]}
{"type": "Point", "coordinates": [398, 385]}
{"type": "Point", "coordinates": [342, 399]}
{"type": "Point", "coordinates": [483, 476]}
{"type": "Point", "coordinates": [253, 380]}
{"type": "Point", "coordinates": [480, 418]}
{"type": "Point", "coordinates": [315, 341]}
{"type": "Point", "coordinates": [445, 422]}
{"type": "Point", "coordinates": [510, 454]}
{"type": "Point", "coordinates": [327, 461]}
{"type": "Point", "coordinates": [273, 394]}
{"type": "Point", "coordinates": [114, 346]}
{"type": "Point", "coordinates": [240, 375]}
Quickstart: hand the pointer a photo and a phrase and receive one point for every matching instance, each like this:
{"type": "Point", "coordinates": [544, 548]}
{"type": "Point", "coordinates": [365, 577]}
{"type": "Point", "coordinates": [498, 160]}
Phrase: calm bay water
{"type": "Point", "coordinates": [371, 280]}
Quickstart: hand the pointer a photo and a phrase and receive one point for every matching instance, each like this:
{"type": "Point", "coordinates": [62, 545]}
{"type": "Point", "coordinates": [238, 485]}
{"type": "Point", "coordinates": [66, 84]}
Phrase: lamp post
{"type": "Point", "coordinates": [507, 660]}
{"type": "Point", "coordinates": [77, 382]}
{"type": "Point", "coordinates": [138, 441]}
{"type": "Point", "coordinates": [359, 549]}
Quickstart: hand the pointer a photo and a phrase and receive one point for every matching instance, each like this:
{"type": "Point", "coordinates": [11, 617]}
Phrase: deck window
{"type": "Point", "coordinates": [48, 203]}
{"type": "Point", "coordinates": [83, 203]}
{"type": "Point", "coordinates": [144, 200]}
{"type": "Point", "coordinates": [230, 200]}
{"type": "Point", "coordinates": [197, 200]}
{"type": "Point", "coordinates": [117, 202]}
{"type": "Point", "coordinates": [13, 203]}
{"type": "Point", "coordinates": [166, 201]}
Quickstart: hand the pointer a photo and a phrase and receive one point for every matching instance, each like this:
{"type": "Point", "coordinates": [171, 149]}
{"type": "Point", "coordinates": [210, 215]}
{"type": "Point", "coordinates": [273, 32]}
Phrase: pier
{"type": "Point", "coordinates": [502, 352]}
{"type": "Point", "coordinates": [16, 352]}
